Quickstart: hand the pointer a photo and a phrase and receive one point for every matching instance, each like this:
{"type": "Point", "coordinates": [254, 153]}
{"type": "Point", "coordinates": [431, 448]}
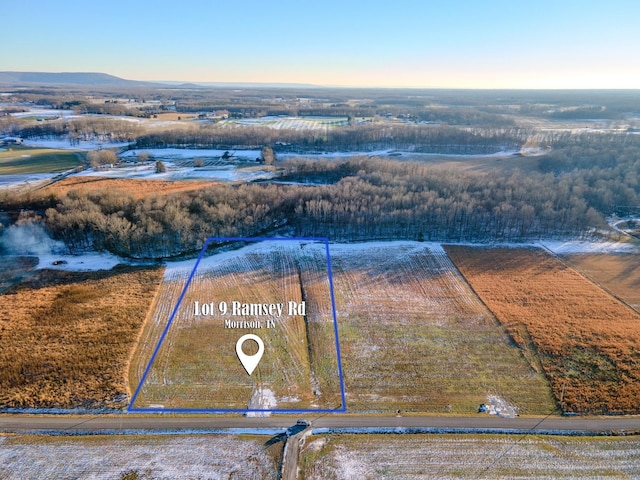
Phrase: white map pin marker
{"type": "Point", "coordinates": [249, 362]}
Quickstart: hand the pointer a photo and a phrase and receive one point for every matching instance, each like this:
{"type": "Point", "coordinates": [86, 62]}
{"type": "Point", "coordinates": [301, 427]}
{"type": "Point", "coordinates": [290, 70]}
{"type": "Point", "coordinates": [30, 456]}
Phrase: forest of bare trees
{"type": "Point", "coordinates": [419, 138]}
{"type": "Point", "coordinates": [88, 128]}
{"type": "Point", "coordinates": [368, 200]}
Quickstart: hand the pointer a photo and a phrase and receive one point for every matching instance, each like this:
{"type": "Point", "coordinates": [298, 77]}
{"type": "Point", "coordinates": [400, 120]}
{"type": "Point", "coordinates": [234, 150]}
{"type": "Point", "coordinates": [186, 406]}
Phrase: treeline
{"type": "Point", "coordinates": [387, 200]}
{"type": "Point", "coordinates": [166, 226]}
{"type": "Point", "coordinates": [590, 150]}
{"type": "Point", "coordinates": [420, 138]}
{"type": "Point", "coordinates": [373, 200]}
{"type": "Point", "coordinates": [88, 128]}
{"type": "Point", "coordinates": [604, 167]}
{"type": "Point", "coordinates": [463, 116]}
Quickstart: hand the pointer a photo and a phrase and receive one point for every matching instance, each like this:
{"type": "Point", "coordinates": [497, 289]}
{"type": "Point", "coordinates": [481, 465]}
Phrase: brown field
{"type": "Point", "coordinates": [135, 188]}
{"type": "Point", "coordinates": [172, 116]}
{"type": "Point", "coordinates": [66, 337]}
{"type": "Point", "coordinates": [618, 273]}
{"type": "Point", "coordinates": [415, 337]}
{"type": "Point", "coordinates": [586, 341]}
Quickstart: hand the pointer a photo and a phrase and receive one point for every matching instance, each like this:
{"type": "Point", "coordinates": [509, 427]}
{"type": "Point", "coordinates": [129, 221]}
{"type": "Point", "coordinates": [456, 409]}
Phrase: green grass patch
{"type": "Point", "coordinates": [24, 160]}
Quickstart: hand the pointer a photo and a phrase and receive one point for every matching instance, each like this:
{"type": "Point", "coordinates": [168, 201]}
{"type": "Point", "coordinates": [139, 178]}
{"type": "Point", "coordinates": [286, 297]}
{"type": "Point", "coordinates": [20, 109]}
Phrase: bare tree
{"type": "Point", "coordinates": [160, 167]}
{"type": "Point", "coordinates": [145, 157]}
{"type": "Point", "coordinates": [268, 155]}
{"type": "Point", "coordinates": [98, 158]}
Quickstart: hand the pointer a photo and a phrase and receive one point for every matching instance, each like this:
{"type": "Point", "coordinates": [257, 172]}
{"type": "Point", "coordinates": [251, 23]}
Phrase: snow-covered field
{"type": "Point", "coordinates": [220, 173]}
{"type": "Point", "coordinates": [64, 143]}
{"type": "Point", "coordinates": [79, 263]}
{"type": "Point", "coordinates": [347, 457]}
{"type": "Point", "coordinates": [185, 153]}
{"type": "Point", "coordinates": [45, 113]}
{"type": "Point", "coordinates": [149, 456]}
{"type": "Point", "coordinates": [26, 180]}
{"type": "Point", "coordinates": [289, 123]}
{"type": "Point", "coordinates": [579, 246]}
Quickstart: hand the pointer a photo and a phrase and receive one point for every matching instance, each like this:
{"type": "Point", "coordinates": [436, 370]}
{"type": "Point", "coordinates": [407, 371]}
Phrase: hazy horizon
{"type": "Point", "coordinates": [459, 45]}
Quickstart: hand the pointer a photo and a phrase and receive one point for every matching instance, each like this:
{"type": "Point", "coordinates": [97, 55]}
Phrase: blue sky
{"type": "Point", "coordinates": [446, 43]}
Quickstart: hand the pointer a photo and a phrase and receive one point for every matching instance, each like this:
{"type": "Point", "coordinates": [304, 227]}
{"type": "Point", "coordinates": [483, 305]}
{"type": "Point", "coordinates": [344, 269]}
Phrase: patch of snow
{"type": "Point", "coordinates": [289, 399]}
{"type": "Point", "coordinates": [534, 151]}
{"type": "Point", "coordinates": [45, 113]}
{"type": "Point", "coordinates": [79, 263]}
{"type": "Point", "coordinates": [499, 406]}
{"type": "Point", "coordinates": [67, 144]}
{"type": "Point", "coordinates": [375, 153]}
{"type": "Point", "coordinates": [223, 173]}
{"type": "Point", "coordinates": [262, 399]}
{"type": "Point", "coordinates": [185, 153]}
{"type": "Point", "coordinates": [15, 181]}
{"type": "Point", "coordinates": [578, 246]}
{"type": "Point", "coordinates": [350, 466]}
{"type": "Point", "coordinates": [209, 263]}
{"type": "Point", "coordinates": [317, 445]}
{"type": "Point", "coordinates": [363, 247]}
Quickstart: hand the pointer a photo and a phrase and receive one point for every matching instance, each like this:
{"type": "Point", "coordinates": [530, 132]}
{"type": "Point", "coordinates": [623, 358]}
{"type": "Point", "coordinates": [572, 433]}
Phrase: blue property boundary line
{"type": "Point", "coordinates": [341, 409]}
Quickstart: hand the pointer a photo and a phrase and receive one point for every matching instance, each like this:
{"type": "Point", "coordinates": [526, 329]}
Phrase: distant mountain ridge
{"type": "Point", "coordinates": [69, 78]}
{"type": "Point", "coordinates": [97, 79]}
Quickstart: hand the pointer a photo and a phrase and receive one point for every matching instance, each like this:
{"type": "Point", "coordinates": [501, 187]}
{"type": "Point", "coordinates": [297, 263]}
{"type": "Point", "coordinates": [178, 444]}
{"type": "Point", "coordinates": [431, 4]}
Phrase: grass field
{"type": "Point", "coordinates": [196, 366]}
{"type": "Point", "coordinates": [618, 273]}
{"type": "Point", "coordinates": [346, 457]}
{"type": "Point", "coordinates": [24, 160]}
{"type": "Point", "coordinates": [136, 188]}
{"type": "Point", "coordinates": [586, 341]}
{"type": "Point", "coordinates": [66, 337]}
{"type": "Point", "coordinates": [415, 337]}
{"type": "Point", "coordinates": [143, 457]}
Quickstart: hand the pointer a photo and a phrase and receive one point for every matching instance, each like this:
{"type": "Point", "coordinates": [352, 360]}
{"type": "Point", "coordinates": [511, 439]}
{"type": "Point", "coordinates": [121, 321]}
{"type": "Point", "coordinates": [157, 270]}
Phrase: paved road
{"type": "Point", "coordinates": [159, 423]}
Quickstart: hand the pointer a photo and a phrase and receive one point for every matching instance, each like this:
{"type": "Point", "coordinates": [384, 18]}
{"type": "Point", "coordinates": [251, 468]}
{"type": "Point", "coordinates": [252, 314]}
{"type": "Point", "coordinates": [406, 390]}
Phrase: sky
{"type": "Point", "coordinates": [395, 43]}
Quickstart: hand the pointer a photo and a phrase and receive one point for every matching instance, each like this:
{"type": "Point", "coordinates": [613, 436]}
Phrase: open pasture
{"type": "Point", "coordinates": [23, 160]}
{"type": "Point", "coordinates": [415, 337]}
{"type": "Point", "coordinates": [586, 341]}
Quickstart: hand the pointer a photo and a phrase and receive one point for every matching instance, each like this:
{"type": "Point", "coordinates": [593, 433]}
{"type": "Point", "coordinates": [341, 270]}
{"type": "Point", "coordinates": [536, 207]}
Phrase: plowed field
{"type": "Point", "coordinates": [196, 366]}
{"type": "Point", "coordinates": [415, 337]}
